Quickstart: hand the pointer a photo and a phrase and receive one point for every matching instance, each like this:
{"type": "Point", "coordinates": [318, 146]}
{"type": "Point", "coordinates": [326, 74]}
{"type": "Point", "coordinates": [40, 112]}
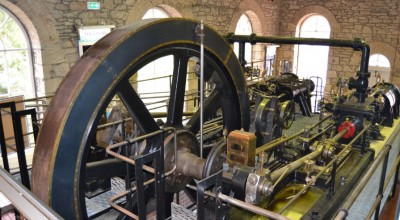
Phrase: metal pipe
{"type": "Point", "coordinates": [112, 203]}
{"type": "Point", "coordinates": [153, 114]}
{"type": "Point", "coordinates": [374, 206]}
{"type": "Point", "coordinates": [282, 140]}
{"type": "Point", "coordinates": [124, 143]}
{"type": "Point", "coordinates": [321, 121]}
{"type": "Point", "coordinates": [339, 135]}
{"type": "Point", "coordinates": [241, 204]}
{"type": "Point", "coordinates": [312, 181]}
{"type": "Point", "coordinates": [356, 44]}
{"type": "Point", "coordinates": [23, 199]}
{"type": "Point", "coordinates": [34, 99]}
{"type": "Point", "coordinates": [382, 183]}
{"type": "Point", "coordinates": [353, 196]}
{"type": "Point", "coordinates": [251, 208]}
{"type": "Point", "coordinates": [143, 80]}
{"type": "Point", "coordinates": [112, 200]}
{"type": "Point", "coordinates": [286, 170]}
{"type": "Point", "coordinates": [391, 173]}
{"type": "Point", "coordinates": [316, 135]}
{"type": "Point", "coordinates": [127, 159]}
{"type": "Point", "coordinates": [387, 181]}
{"type": "Point", "coordinates": [358, 135]}
{"type": "Point", "coordinates": [201, 35]}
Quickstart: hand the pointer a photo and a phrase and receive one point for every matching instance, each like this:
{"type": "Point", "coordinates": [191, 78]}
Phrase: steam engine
{"type": "Point", "coordinates": [248, 166]}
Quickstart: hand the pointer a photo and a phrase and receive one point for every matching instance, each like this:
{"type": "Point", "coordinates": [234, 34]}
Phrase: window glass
{"type": "Point", "coordinates": [15, 64]}
{"type": "Point", "coordinates": [243, 27]}
{"type": "Point", "coordinates": [311, 62]}
{"type": "Point", "coordinates": [379, 67]}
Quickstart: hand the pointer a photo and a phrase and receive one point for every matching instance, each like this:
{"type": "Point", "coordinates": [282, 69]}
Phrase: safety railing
{"type": "Point", "coordinates": [19, 122]}
{"type": "Point", "coordinates": [27, 204]}
{"type": "Point", "coordinates": [382, 159]}
{"type": "Point", "coordinates": [139, 163]}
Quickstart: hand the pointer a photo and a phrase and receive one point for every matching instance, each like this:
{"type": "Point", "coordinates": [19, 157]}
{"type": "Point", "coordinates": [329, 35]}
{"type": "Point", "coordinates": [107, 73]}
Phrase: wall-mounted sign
{"type": "Point", "coordinates": [93, 33]}
{"type": "Point", "coordinates": [88, 35]}
{"type": "Point", "coordinates": [93, 5]}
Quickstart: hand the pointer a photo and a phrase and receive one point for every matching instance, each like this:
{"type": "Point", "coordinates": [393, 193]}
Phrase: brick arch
{"type": "Point", "coordinates": [387, 50]}
{"type": "Point", "coordinates": [40, 28]}
{"type": "Point", "coordinates": [253, 10]}
{"type": "Point", "coordinates": [257, 19]}
{"type": "Point", "coordinates": [144, 5]}
{"type": "Point", "coordinates": [305, 12]}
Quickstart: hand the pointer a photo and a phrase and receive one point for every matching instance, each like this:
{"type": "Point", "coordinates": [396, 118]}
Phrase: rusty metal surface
{"type": "Point", "coordinates": [241, 148]}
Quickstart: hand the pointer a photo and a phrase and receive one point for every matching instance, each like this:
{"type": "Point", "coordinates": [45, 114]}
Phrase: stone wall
{"type": "Point", "coordinates": [52, 27]}
{"type": "Point", "coordinates": [55, 23]}
{"type": "Point", "coordinates": [376, 22]}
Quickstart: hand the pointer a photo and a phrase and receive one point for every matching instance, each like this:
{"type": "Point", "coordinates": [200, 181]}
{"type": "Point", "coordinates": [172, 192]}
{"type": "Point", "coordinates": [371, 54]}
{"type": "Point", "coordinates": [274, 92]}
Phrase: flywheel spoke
{"type": "Point", "coordinates": [211, 104]}
{"type": "Point", "coordinates": [177, 96]}
{"type": "Point", "coordinates": [137, 108]}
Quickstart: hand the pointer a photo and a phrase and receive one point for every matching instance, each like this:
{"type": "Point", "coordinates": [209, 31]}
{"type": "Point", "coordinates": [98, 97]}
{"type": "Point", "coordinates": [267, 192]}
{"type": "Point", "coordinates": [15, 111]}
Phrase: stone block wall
{"type": "Point", "coordinates": [52, 27]}
{"type": "Point", "coordinates": [55, 23]}
{"type": "Point", "coordinates": [377, 22]}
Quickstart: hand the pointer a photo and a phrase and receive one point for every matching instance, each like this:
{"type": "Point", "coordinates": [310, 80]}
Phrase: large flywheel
{"type": "Point", "coordinates": [104, 72]}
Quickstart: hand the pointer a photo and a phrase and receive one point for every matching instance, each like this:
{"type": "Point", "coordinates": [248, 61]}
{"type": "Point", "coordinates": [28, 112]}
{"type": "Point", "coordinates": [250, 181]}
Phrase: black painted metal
{"type": "Point", "coordinates": [161, 210]}
{"type": "Point", "coordinates": [140, 179]}
{"type": "Point", "coordinates": [177, 96]}
{"type": "Point", "coordinates": [395, 179]}
{"type": "Point", "coordinates": [3, 144]}
{"type": "Point", "coordinates": [112, 61]}
{"type": "Point", "coordinates": [19, 138]}
{"type": "Point", "coordinates": [19, 142]}
{"type": "Point", "coordinates": [215, 181]}
{"type": "Point", "coordinates": [331, 191]}
{"type": "Point", "coordinates": [137, 108]}
{"type": "Point", "coordinates": [382, 183]}
{"type": "Point", "coordinates": [361, 84]}
{"type": "Point", "coordinates": [129, 168]}
{"type": "Point", "coordinates": [211, 104]}
{"type": "Point", "coordinates": [140, 188]}
{"type": "Point", "coordinates": [241, 58]}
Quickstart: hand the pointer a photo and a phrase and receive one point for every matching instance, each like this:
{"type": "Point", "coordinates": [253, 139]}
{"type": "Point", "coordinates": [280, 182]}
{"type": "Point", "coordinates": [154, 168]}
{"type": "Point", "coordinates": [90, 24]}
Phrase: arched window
{"type": "Point", "coordinates": [379, 66]}
{"type": "Point", "coordinates": [154, 77]}
{"type": "Point", "coordinates": [312, 61]}
{"type": "Point", "coordinates": [156, 12]}
{"type": "Point", "coordinates": [243, 27]}
{"type": "Point", "coordinates": [16, 77]}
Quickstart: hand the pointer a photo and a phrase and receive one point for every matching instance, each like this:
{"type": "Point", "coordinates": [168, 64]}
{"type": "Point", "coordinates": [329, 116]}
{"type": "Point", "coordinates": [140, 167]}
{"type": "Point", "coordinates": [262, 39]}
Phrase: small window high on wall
{"type": "Point", "coordinates": [311, 62]}
{"type": "Point", "coordinates": [243, 27]}
{"type": "Point", "coordinates": [16, 77]}
{"type": "Point", "coordinates": [379, 66]}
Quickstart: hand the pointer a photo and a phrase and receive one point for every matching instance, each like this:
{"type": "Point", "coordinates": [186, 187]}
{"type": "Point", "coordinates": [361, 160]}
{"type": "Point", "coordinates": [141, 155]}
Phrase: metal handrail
{"type": "Point", "coordinates": [24, 200]}
{"type": "Point", "coordinates": [131, 161]}
{"type": "Point", "coordinates": [357, 191]}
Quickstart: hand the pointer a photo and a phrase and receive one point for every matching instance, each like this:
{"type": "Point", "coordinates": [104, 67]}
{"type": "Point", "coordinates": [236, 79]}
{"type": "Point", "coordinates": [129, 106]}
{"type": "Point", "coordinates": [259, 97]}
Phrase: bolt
{"type": "Point", "coordinates": [252, 179]}
{"type": "Point", "coordinates": [343, 180]}
{"type": "Point", "coordinates": [314, 214]}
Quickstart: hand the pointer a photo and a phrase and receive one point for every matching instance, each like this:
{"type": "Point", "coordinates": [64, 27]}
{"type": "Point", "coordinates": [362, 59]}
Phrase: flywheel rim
{"type": "Point", "coordinates": [53, 151]}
